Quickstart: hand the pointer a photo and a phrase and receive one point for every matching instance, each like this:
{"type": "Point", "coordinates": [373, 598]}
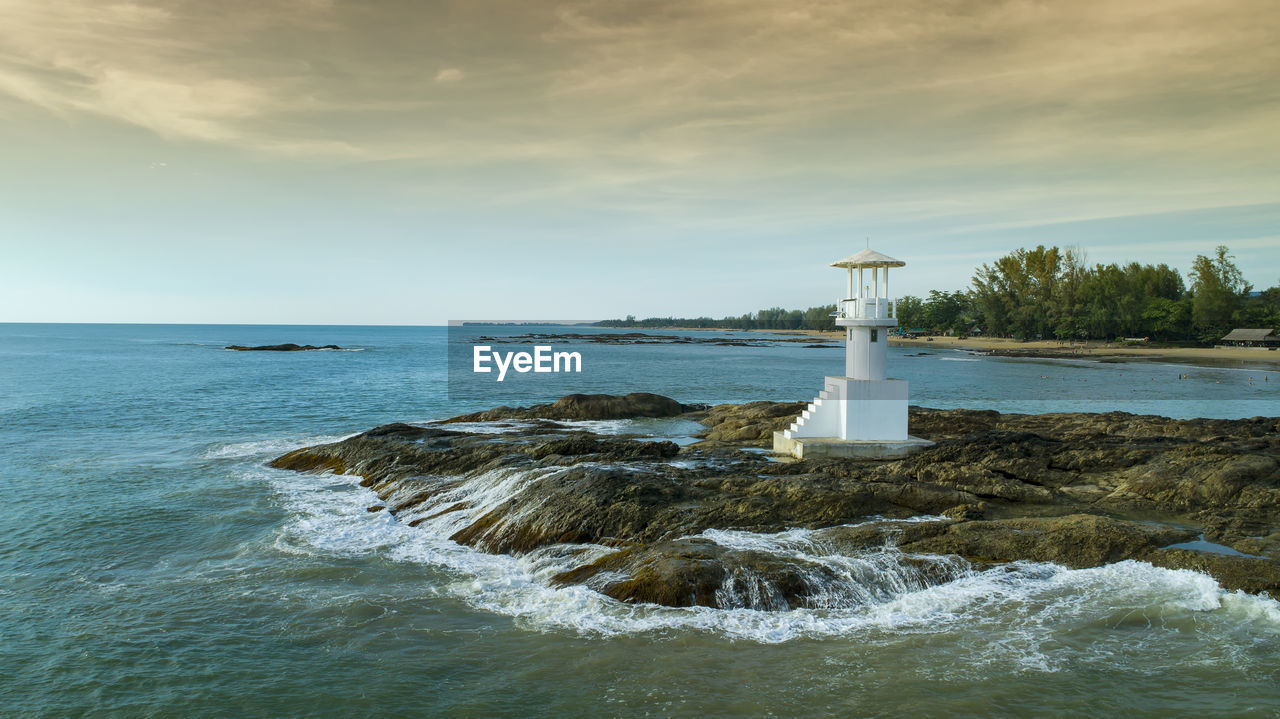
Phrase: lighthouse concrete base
{"type": "Point", "coordinates": [861, 410]}
{"type": "Point", "coordinates": [814, 447]}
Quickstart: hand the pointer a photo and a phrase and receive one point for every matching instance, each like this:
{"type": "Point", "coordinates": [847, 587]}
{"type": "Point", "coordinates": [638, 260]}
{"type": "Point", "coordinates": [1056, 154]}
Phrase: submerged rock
{"type": "Point", "coordinates": [699, 572]}
{"type": "Point", "coordinates": [281, 348]}
{"type": "Point", "coordinates": [587, 406]}
{"type": "Point", "coordinates": [639, 516]}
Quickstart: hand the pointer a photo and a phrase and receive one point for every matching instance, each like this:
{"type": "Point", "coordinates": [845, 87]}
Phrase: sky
{"type": "Point", "coordinates": [324, 162]}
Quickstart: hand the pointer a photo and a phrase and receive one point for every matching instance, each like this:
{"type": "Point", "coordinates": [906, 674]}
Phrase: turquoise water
{"type": "Point", "coordinates": [152, 566]}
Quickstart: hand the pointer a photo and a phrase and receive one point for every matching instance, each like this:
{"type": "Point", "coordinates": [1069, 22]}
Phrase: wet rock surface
{"type": "Point", "coordinates": [289, 347]}
{"type": "Point", "coordinates": [647, 520]}
{"type": "Point", "coordinates": [587, 406]}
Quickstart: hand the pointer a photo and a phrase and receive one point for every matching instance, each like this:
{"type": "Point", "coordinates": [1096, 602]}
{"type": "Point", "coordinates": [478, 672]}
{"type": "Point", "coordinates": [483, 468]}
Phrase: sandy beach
{"type": "Point", "coordinates": [1055, 348]}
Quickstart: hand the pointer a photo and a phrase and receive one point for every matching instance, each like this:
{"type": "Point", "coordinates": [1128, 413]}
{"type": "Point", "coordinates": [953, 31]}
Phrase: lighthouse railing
{"type": "Point", "coordinates": [867, 308]}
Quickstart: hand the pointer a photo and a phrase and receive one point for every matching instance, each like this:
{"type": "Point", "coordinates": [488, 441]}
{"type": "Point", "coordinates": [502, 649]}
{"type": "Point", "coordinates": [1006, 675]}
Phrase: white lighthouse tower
{"type": "Point", "coordinates": [863, 413]}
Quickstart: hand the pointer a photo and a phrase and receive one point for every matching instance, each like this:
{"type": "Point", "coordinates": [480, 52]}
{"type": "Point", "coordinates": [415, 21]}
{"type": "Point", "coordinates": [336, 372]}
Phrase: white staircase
{"type": "Point", "coordinates": [827, 397]}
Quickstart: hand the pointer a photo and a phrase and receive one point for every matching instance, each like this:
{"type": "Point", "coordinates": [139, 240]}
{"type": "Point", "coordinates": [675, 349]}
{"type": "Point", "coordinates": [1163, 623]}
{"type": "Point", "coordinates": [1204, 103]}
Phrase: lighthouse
{"type": "Point", "coordinates": [862, 413]}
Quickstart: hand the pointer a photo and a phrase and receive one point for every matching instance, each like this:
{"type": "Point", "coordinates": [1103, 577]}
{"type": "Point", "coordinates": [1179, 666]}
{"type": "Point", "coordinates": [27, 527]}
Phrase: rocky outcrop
{"type": "Point", "coordinates": [586, 406]}
{"type": "Point", "coordinates": [1078, 541]}
{"type": "Point", "coordinates": [750, 423]}
{"type": "Point", "coordinates": [1079, 490]}
{"type": "Point", "coordinates": [695, 571]}
{"type": "Point", "coordinates": [699, 572]}
{"type": "Point", "coordinates": [281, 348]}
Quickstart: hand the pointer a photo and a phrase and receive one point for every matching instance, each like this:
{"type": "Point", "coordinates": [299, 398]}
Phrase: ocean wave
{"type": "Point", "coordinates": [264, 447]}
{"type": "Point", "coordinates": [1026, 605]}
{"type": "Point", "coordinates": [655, 427]}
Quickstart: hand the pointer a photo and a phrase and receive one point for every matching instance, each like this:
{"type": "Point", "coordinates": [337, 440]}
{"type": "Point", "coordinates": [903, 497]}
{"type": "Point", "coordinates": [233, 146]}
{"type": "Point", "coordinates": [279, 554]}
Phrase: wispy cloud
{"type": "Point", "coordinates": [800, 105]}
{"type": "Point", "coordinates": [449, 75]}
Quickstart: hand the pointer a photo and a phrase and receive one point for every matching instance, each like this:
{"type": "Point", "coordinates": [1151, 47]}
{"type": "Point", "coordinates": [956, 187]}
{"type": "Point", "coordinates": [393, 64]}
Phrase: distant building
{"type": "Point", "coordinates": [1252, 338]}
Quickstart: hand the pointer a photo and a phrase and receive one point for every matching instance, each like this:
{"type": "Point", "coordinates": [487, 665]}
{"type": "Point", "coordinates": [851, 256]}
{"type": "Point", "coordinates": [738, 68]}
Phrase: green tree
{"type": "Point", "coordinates": [910, 312]}
{"type": "Point", "coordinates": [1053, 292]}
{"type": "Point", "coordinates": [943, 310]}
{"type": "Point", "coordinates": [1101, 294]}
{"type": "Point", "coordinates": [1021, 293]}
{"type": "Point", "coordinates": [1068, 301]}
{"type": "Point", "coordinates": [819, 318]}
{"type": "Point", "coordinates": [1261, 311]}
{"type": "Point", "coordinates": [995, 294]}
{"type": "Point", "coordinates": [1164, 318]}
{"type": "Point", "coordinates": [1219, 292]}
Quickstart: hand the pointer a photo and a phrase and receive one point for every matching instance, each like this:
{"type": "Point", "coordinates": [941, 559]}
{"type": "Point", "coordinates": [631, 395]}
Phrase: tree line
{"type": "Point", "coordinates": [1054, 293]}
{"type": "Point", "coordinates": [774, 318]}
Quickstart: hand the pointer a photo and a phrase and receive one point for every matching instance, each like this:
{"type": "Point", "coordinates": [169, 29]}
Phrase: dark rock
{"type": "Point", "coordinates": [1078, 540]}
{"type": "Point", "coordinates": [699, 572]}
{"type": "Point", "coordinates": [964, 512]}
{"type": "Point", "coordinates": [750, 423]}
{"type": "Point", "coordinates": [681, 573]}
{"type": "Point", "coordinates": [1252, 574]}
{"type": "Point", "coordinates": [586, 406]}
{"type": "Point", "coordinates": [1079, 490]}
{"type": "Point", "coordinates": [587, 444]}
{"type": "Point", "coordinates": [281, 348]}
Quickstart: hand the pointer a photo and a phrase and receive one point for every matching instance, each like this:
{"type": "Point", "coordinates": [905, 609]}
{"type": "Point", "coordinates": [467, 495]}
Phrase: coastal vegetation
{"type": "Point", "coordinates": [1053, 293]}
{"type": "Point", "coordinates": [773, 318]}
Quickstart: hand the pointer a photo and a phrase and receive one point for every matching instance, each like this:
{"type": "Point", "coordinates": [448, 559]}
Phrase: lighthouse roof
{"type": "Point", "coordinates": [868, 258]}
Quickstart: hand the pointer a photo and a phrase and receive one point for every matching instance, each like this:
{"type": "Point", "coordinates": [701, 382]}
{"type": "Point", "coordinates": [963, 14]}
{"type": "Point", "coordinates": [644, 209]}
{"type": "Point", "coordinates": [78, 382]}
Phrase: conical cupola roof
{"type": "Point", "coordinates": [868, 258]}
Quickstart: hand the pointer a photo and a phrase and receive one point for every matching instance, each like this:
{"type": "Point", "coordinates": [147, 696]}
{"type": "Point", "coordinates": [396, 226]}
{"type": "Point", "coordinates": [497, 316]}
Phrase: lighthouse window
{"type": "Point", "coordinates": [875, 335]}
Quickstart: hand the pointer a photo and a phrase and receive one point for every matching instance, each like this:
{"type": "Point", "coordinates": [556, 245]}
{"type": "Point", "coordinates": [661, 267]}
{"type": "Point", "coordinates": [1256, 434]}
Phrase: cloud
{"type": "Point", "coordinates": [807, 108]}
{"type": "Point", "coordinates": [144, 65]}
{"type": "Point", "coordinates": [449, 75]}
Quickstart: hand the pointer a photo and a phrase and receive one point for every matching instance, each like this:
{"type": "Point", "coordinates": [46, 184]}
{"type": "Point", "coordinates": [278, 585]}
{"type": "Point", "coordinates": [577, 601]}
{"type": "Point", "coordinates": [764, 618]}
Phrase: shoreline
{"type": "Point", "coordinates": [1047, 349]}
{"type": "Point", "coordinates": [1053, 349]}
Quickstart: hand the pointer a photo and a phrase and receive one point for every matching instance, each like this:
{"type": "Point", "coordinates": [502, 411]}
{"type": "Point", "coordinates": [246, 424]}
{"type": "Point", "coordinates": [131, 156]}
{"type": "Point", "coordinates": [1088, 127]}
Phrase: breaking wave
{"type": "Point", "coordinates": [876, 595]}
{"type": "Point", "coordinates": [267, 448]}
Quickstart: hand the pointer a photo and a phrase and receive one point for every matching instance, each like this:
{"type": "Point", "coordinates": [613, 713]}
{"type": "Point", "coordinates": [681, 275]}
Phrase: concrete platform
{"type": "Point", "coordinates": [813, 447]}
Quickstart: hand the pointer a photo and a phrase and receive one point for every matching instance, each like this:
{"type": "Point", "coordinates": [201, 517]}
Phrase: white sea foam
{"type": "Point", "coordinates": [658, 428]}
{"type": "Point", "coordinates": [273, 447]}
{"type": "Point", "coordinates": [477, 427]}
{"type": "Point", "coordinates": [1022, 605]}
{"type": "Point", "coordinates": [798, 540]}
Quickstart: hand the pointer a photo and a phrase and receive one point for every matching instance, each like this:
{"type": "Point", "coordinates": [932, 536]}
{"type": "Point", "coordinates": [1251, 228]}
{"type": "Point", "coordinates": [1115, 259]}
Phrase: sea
{"type": "Point", "coordinates": [152, 565]}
